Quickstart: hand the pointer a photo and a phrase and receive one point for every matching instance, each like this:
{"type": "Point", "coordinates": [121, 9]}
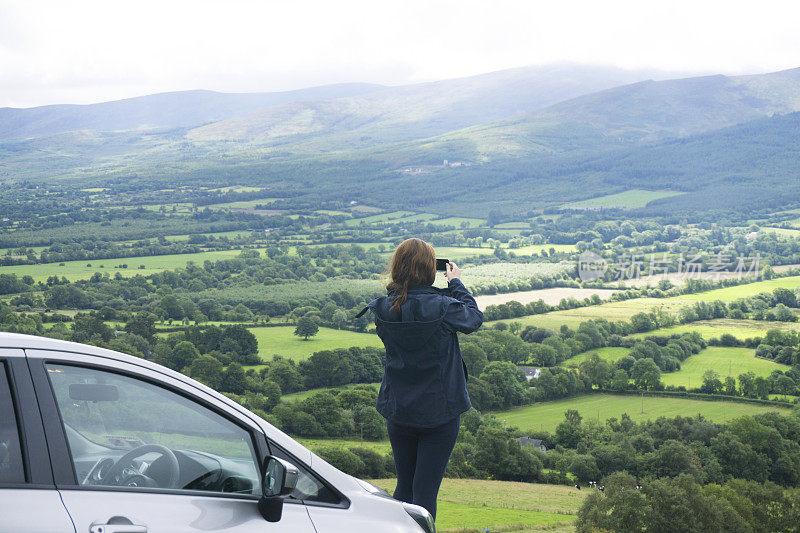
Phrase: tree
{"type": "Point", "coordinates": [182, 355]}
{"type": "Point", "coordinates": [474, 357]}
{"type": "Point", "coordinates": [569, 432]}
{"type": "Point", "coordinates": [506, 380]}
{"type": "Point", "coordinates": [207, 369]}
{"type": "Point", "coordinates": [596, 370]}
{"type": "Point", "coordinates": [339, 318]}
{"type": "Point", "coordinates": [711, 383]}
{"type": "Point", "coordinates": [142, 324]}
{"type": "Point", "coordinates": [284, 373]}
{"type": "Point", "coordinates": [246, 342]}
{"type": "Point", "coordinates": [234, 380]}
{"type": "Point", "coordinates": [306, 327]}
{"type": "Point", "coordinates": [88, 327]}
{"type": "Point", "coordinates": [620, 380]}
{"type": "Point", "coordinates": [326, 369]}
{"type": "Point", "coordinates": [171, 307]}
{"type": "Point", "coordinates": [784, 385]}
{"type": "Point", "coordinates": [646, 374]}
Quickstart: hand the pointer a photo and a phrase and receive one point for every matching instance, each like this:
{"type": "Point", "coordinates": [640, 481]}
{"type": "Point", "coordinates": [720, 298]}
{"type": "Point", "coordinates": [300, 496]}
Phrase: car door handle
{"type": "Point", "coordinates": [117, 524]}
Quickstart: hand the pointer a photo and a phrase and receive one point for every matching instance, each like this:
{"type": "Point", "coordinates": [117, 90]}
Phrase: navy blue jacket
{"type": "Point", "coordinates": [425, 379]}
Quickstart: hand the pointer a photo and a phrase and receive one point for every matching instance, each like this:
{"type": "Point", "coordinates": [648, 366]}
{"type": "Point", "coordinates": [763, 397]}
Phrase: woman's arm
{"type": "Point", "coordinates": [463, 315]}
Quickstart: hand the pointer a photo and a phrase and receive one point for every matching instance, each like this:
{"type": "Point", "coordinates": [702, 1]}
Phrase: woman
{"type": "Point", "coordinates": [423, 391]}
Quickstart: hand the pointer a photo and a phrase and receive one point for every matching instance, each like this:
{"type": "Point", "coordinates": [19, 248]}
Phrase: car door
{"type": "Point", "coordinates": [29, 500]}
{"type": "Point", "coordinates": [140, 451]}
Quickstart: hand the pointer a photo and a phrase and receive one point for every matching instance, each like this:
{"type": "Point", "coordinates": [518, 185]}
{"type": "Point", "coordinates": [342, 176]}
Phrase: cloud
{"type": "Point", "coordinates": [86, 51]}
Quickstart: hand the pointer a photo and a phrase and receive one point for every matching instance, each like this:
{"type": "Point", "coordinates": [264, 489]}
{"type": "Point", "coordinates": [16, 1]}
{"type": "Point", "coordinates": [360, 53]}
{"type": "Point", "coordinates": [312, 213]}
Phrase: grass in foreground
{"type": "Point", "coordinates": [546, 416]}
{"type": "Point", "coordinates": [725, 361]}
{"type": "Point", "coordinates": [469, 503]}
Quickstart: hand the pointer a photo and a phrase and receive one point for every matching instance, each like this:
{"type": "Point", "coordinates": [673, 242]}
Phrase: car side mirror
{"type": "Point", "coordinates": [278, 482]}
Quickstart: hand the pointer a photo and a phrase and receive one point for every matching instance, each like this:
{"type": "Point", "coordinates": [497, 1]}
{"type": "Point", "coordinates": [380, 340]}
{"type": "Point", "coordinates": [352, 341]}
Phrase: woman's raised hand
{"type": "Point", "coordinates": [452, 271]}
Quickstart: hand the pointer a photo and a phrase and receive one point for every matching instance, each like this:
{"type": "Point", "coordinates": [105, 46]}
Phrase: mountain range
{"type": "Point", "coordinates": [523, 129]}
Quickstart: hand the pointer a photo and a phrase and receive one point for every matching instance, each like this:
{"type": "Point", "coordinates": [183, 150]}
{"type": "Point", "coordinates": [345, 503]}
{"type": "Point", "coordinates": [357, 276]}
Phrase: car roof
{"type": "Point", "coordinates": [32, 342]}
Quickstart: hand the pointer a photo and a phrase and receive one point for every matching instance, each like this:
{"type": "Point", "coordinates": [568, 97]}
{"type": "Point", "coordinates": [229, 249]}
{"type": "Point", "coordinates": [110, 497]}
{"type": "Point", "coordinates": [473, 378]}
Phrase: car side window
{"type": "Point", "coordinates": [12, 469]}
{"type": "Point", "coordinates": [128, 432]}
{"type": "Point", "coordinates": [309, 488]}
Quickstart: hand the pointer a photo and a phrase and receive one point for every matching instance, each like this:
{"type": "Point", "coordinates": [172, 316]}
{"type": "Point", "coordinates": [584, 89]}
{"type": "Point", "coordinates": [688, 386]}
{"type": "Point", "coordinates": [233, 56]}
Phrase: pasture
{"type": "Point", "coordinates": [280, 340]}
{"type": "Point", "coordinates": [476, 505]}
{"type": "Point", "coordinates": [549, 296]}
{"type": "Point", "coordinates": [723, 360]}
{"type": "Point", "coordinates": [630, 199]}
{"type": "Point", "coordinates": [612, 311]}
{"type": "Point", "coordinates": [741, 329]}
{"type": "Point", "coordinates": [609, 353]}
{"type": "Point", "coordinates": [729, 294]}
{"type": "Point", "coordinates": [84, 269]}
{"type": "Point", "coordinates": [546, 416]}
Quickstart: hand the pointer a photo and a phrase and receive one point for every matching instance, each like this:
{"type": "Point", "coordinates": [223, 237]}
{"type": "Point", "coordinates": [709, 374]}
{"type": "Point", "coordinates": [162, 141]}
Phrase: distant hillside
{"type": "Point", "coordinates": [642, 112]}
{"type": "Point", "coordinates": [165, 110]}
{"type": "Point", "coordinates": [727, 143]}
{"type": "Point", "coordinates": [417, 111]}
{"type": "Point", "coordinates": [749, 165]}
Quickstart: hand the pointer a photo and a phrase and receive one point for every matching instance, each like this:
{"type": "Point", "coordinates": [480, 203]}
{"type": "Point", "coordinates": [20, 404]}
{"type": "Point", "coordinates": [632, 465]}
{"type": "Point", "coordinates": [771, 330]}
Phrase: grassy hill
{"type": "Point", "coordinates": [723, 360]}
{"type": "Point", "coordinates": [546, 416]}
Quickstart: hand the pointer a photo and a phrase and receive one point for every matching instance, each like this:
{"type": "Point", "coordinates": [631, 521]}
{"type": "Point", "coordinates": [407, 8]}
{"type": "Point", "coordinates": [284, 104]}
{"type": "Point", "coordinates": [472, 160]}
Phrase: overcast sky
{"type": "Point", "coordinates": [79, 51]}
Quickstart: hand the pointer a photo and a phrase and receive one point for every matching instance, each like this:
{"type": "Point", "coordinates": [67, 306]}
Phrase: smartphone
{"type": "Point", "coordinates": [441, 264]}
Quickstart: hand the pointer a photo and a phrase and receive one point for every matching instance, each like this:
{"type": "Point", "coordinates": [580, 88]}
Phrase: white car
{"type": "Point", "coordinates": [97, 441]}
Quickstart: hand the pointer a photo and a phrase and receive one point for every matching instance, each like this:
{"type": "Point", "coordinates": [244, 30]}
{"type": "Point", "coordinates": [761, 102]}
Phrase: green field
{"type": "Point", "coordinates": [610, 354]}
{"type": "Point", "coordinates": [546, 416]}
{"type": "Point", "coordinates": [631, 199]}
{"type": "Point", "coordinates": [246, 204]}
{"type": "Point", "coordinates": [729, 294]}
{"type": "Point", "coordinates": [612, 311]}
{"type": "Point", "coordinates": [457, 221]}
{"type": "Point", "coordinates": [383, 218]}
{"type": "Point", "coordinates": [741, 329]}
{"type": "Point", "coordinates": [73, 270]}
{"type": "Point", "coordinates": [724, 361]}
{"type": "Point", "coordinates": [485, 504]}
{"type": "Point", "coordinates": [281, 340]}
{"type": "Point", "coordinates": [623, 310]}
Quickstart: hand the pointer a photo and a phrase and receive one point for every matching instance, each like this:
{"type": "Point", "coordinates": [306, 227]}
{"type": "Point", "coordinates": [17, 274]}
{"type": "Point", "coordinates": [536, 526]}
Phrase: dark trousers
{"type": "Point", "coordinates": [420, 458]}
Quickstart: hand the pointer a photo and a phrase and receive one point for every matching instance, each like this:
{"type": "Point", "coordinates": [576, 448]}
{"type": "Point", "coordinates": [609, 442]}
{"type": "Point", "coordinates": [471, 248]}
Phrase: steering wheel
{"type": "Point", "coordinates": [136, 479]}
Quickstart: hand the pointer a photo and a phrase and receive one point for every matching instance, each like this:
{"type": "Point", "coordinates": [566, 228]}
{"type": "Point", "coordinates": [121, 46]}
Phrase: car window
{"type": "Point", "coordinates": [11, 466]}
{"type": "Point", "coordinates": [309, 488]}
{"type": "Point", "coordinates": [128, 432]}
